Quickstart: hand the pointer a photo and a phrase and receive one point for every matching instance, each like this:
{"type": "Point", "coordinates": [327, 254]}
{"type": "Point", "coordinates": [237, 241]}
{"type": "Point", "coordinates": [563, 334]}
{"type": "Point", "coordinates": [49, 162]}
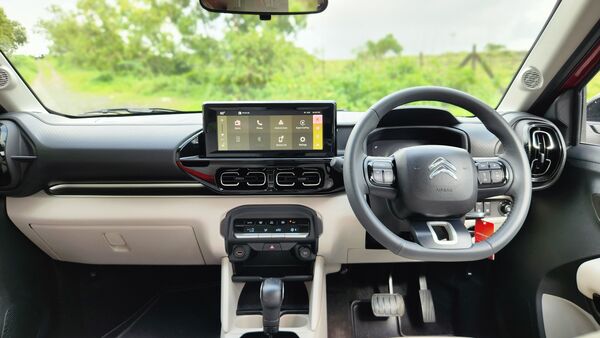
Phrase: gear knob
{"type": "Point", "coordinates": [271, 297]}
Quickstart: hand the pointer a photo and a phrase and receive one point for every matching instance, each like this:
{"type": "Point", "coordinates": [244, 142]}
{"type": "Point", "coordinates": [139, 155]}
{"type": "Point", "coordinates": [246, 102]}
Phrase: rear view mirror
{"type": "Point", "coordinates": [265, 8]}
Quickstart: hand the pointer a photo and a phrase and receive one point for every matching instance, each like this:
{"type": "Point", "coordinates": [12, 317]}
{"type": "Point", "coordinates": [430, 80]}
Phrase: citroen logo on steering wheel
{"type": "Point", "coordinates": [442, 166]}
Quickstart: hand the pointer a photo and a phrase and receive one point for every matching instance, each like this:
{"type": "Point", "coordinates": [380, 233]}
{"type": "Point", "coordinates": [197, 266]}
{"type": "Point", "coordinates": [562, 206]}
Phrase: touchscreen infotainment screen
{"type": "Point", "coordinates": [272, 127]}
{"type": "Point", "coordinates": [238, 130]}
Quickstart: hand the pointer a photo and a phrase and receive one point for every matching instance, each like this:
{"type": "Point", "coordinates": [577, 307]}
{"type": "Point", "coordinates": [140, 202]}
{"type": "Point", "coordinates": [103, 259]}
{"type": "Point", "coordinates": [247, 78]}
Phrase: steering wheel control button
{"type": "Point", "coordinates": [381, 172]}
{"type": "Point", "coordinates": [495, 165]}
{"type": "Point", "coordinates": [497, 176]}
{"type": "Point", "coordinates": [483, 166]}
{"type": "Point", "coordinates": [491, 173]}
{"type": "Point", "coordinates": [484, 176]}
{"type": "Point", "coordinates": [388, 176]}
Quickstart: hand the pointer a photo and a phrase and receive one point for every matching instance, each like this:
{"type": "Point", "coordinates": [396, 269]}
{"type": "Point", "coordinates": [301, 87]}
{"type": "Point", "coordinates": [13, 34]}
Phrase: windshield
{"type": "Point", "coordinates": [82, 56]}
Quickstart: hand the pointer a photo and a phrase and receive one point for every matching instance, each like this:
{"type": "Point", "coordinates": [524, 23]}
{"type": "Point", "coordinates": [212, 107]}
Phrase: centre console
{"type": "Point", "coordinates": [272, 248]}
{"type": "Point", "coordinates": [271, 241]}
{"type": "Point", "coordinates": [265, 147]}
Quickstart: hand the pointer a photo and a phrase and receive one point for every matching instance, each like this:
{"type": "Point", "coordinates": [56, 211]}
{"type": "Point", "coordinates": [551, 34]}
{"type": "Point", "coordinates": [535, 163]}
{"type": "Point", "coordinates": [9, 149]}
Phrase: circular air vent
{"type": "Point", "coordinates": [4, 78]}
{"type": "Point", "coordinates": [532, 78]}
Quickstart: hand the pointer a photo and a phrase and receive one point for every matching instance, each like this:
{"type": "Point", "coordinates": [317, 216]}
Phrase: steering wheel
{"type": "Point", "coordinates": [436, 186]}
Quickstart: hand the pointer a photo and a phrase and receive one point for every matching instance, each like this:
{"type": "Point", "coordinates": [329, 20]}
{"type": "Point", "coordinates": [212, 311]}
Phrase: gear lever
{"type": "Point", "coordinates": [271, 297]}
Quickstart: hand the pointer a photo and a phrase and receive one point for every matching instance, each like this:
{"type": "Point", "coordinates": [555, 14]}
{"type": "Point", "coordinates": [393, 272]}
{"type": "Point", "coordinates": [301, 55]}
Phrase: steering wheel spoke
{"type": "Point", "coordinates": [494, 176]}
{"type": "Point", "coordinates": [380, 176]}
{"type": "Point", "coordinates": [441, 233]}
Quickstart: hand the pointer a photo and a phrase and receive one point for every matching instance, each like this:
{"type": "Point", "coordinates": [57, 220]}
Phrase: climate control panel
{"type": "Point", "coordinates": [283, 244]}
{"type": "Point", "coordinates": [277, 228]}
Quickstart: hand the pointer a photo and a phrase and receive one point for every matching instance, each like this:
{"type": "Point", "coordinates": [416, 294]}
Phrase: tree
{"type": "Point", "coordinates": [381, 48]}
{"type": "Point", "coordinates": [12, 34]}
{"type": "Point", "coordinates": [165, 37]}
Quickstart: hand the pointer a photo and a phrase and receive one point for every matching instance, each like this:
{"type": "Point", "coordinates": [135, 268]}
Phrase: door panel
{"type": "Point", "coordinates": [561, 232]}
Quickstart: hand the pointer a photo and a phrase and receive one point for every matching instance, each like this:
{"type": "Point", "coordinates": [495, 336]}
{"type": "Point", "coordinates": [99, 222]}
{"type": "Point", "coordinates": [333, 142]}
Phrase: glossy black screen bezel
{"type": "Point", "coordinates": [329, 125]}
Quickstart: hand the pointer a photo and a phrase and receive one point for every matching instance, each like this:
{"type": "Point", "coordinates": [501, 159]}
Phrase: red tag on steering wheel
{"type": "Point", "coordinates": [483, 230]}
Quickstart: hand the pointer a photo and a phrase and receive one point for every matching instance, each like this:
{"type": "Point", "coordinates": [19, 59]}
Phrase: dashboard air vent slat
{"type": "Point", "coordinates": [282, 179]}
{"type": "Point", "coordinates": [544, 146]}
{"type": "Point", "coordinates": [230, 179]}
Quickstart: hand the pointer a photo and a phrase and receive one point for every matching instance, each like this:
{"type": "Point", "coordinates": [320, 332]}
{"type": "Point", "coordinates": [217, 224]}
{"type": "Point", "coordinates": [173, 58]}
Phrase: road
{"type": "Point", "coordinates": [57, 95]}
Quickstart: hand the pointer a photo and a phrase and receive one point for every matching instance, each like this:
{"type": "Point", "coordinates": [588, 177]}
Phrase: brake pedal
{"type": "Point", "coordinates": [388, 304]}
{"type": "Point", "coordinates": [426, 298]}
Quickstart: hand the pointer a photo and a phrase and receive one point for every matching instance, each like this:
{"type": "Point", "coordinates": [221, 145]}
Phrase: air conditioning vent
{"type": "Point", "coordinates": [270, 179]}
{"type": "Point", "coordinates": [230, 178]}
{"type": "Point", "coordinates": [299, 179]}
{"type": "Point", "coordinates": [544, 147]}
{"type": "Point", "coordinates": [243, 179]}
{"type": "Point", "coordinates": [255, 179]}
{"type": "Point", "coordinates": [286, 179]}
{"type": "Point", "coordinates": [310, 179]}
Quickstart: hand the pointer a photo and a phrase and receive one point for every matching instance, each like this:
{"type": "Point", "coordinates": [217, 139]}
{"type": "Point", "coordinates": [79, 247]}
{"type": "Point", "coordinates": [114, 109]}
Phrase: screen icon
{"type": "Point", "coordinates": [280, 139]}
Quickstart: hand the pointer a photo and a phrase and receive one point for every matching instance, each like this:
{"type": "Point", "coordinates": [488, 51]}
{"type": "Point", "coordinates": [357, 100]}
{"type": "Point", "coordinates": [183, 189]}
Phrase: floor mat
{"type": "Point", "coordinates": [96, 300]}
{"type": "Point", "coordinates": [186, 313]}
{"type": "Point", "coordinates": [365, 324]}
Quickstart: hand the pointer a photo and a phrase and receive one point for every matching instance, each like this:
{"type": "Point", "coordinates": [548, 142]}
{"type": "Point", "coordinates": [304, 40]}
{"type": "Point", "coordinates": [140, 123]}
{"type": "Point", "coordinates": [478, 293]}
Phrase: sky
{"type": "Point", "coordinates": [427, 26]}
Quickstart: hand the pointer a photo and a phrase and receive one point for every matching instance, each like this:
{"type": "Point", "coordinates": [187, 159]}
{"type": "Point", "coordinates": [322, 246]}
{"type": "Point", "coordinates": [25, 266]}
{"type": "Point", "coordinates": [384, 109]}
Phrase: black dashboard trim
{"type": "Point", "coordinates": [142, 149]}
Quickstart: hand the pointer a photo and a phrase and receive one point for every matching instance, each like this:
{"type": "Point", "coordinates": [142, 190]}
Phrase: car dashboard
{"type": "Point", "coordinates": [147, 189]}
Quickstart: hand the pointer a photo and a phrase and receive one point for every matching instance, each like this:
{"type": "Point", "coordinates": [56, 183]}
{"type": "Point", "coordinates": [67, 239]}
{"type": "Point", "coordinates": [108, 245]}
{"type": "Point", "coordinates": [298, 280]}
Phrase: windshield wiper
{"type": "Point", "coordinates": [131, 111]}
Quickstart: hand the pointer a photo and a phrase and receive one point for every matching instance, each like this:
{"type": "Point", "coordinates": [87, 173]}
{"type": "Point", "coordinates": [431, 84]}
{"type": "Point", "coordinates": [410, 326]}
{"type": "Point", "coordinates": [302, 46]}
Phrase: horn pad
{"type": "Point", "coordinates": [436, 181]}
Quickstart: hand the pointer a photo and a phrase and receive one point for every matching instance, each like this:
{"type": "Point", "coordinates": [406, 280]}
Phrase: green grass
{"type": "Point", "coordinates": [26, 65]}
{"type": "Point", "coordinates": [593, 87]}
{"type": "Point", "coordinates": [354, 84]}
{"type": "Point", "coordinates": [130, 90]}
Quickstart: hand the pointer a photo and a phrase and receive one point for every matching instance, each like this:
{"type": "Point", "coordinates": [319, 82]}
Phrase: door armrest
{"type": "Point", "coordinates": [588, 278]}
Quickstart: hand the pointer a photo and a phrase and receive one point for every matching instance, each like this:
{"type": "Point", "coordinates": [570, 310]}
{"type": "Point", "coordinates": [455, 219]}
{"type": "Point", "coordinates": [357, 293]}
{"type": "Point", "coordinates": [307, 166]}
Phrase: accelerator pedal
{"type": "Point", "coordinates": [388, 304]}
{"type": "Point", "coordinates": [426, 298]}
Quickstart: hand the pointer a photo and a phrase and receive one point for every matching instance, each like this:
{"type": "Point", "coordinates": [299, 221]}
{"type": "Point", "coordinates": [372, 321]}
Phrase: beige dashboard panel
{"type": "Point", "coordinates": [172, 229]}
{"type": "Point", "coordinates": [116, 244]}
{"type": "Point", "coordinates": [71, 228]}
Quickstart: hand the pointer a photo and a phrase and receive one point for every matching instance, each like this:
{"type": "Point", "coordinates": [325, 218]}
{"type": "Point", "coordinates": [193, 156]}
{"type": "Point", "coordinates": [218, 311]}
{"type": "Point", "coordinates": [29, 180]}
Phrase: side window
{"type": "Point", "coordinates": [592, 130]}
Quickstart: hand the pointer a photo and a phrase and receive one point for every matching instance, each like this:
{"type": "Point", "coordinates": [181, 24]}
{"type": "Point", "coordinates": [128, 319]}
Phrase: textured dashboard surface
{"type": "Point", "coordinates": [143, 148]}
